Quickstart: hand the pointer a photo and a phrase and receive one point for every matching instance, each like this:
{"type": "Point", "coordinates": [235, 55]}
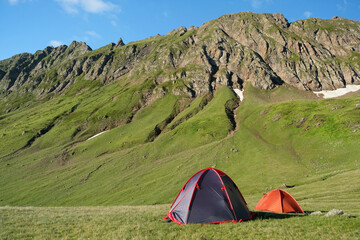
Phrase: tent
{"type": "Point", "coordinates": [209, 196]}
{"type": "Point", "coordinates": [278, 201]}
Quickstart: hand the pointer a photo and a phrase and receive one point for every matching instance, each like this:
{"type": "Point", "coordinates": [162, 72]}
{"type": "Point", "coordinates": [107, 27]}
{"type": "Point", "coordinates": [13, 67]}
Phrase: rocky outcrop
{"type": "Point", "coordinates": [263, 49]}
{"type": "Point", "coordinates": [43, 71]}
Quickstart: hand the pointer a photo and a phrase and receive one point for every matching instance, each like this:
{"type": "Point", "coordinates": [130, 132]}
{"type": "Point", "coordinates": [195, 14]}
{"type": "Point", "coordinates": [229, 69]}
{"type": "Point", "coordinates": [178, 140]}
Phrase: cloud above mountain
{"type": "Point", "coordinates": [259, 3]}
{"type": "Point", "coordinates": [55, 43]}
{"type": "Point", "coordinates": [90, 6]}
{"type": "Point", "coordinates": [307, 14]}
{"type": "Point", "coordinates": [13, 2]}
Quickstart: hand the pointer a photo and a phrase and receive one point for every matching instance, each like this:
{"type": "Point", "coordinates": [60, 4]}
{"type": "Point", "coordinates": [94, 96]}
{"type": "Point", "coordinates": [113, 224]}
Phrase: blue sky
{"type": "Point", "coordinates": [31, 25]}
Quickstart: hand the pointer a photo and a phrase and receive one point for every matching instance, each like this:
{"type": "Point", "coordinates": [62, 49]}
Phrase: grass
{"type": "Point", "coordinates": [144, 222]}
{"type": "Point", "coordinates": [122, 163]}
{"type": "Point", "coordinates": [123, 167]}
{"type": "Point", "coordinates": [283, 136]}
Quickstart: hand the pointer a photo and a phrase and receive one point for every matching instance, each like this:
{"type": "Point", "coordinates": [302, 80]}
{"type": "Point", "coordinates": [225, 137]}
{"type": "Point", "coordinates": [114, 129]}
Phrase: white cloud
{"type": "Point", "coordinates": [114, 23]}
{"type": "Point", "coordinates": [87, 36]}
{"type": "Point", "coordinates": [13, 2]}
{"type": "Point", "coordinates": [93, 34]}
{"type": "Point", "coordinates": [97, 6]}
{"type": "Point", "coordinates": [113, 19]}
{"type": "Point", "coordinates": [70, 6]}
{"type": "Point", "coordinates": [258, 3]}
{"type": "Point", "coordinates": [343, 6]}
{"type": "Point", "coordinates": [55, 43]}
{"type": "Point", "coordinates": [165, 14]}
{"type": "Point", "coordinates": [91, 6]}
{"type": "Point", "coordinates": [307, 14]}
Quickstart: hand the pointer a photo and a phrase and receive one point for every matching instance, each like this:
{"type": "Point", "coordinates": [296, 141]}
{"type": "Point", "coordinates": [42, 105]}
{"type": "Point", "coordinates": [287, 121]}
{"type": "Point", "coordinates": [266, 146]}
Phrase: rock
{"type": "Point", "coordinates": [277, 117]}
{"type": "Point", "coordinates": [120, 43]}
{"type": "Point", "coordinates": [336, 17]}
{"type": "Point", "coordinates": [301, 122]}
{"type": "Point", "coordinates": [234, 150]}
{"type": "Point", "coordinates": [193, 28]}
{"type": "Point", "coordinates": [316, 213]}
{"type": "Point", "coordinates": [337, 107]}
{"type": "Point", "coordinates": [334, 212]}
{"type": "Point", "coordinates": [179, 31]}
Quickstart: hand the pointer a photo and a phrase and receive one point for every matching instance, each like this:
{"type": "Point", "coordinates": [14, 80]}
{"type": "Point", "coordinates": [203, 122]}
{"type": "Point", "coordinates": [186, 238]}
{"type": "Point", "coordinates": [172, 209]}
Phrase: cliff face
{"type": "Point", "coordinates": [264, 49]}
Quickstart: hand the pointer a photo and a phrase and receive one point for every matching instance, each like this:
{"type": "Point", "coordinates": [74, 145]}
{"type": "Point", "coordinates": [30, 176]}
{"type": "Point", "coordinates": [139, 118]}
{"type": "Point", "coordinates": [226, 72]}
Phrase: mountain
{"type": "Point", "coordinates": [167, 105]}
{"type": "Point", "coordinates": [266, 49]}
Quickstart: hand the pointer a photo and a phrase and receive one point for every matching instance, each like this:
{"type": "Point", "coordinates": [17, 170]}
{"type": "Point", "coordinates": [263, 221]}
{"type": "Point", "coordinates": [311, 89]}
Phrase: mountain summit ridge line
{"type": "Point", "coordinates": [264, 49]}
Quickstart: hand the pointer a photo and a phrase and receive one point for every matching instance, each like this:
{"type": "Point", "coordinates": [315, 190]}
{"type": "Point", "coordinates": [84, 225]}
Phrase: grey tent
{"type": "Point", "coordinates": [209, 196]}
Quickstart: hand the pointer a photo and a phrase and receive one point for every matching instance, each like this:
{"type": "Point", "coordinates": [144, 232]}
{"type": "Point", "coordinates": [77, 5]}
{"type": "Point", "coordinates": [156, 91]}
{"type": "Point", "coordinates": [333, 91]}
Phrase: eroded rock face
{"type": "Point", "coordinates": [26, 72]}
{"type": "Point", "coordinates": [263, 49]}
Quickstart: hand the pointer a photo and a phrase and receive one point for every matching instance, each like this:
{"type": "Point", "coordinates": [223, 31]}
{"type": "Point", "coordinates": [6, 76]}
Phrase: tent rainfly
{"type": "Point", "coordinates": [209, 196]}
{"type": "Point", "coordinates": [278, 201]}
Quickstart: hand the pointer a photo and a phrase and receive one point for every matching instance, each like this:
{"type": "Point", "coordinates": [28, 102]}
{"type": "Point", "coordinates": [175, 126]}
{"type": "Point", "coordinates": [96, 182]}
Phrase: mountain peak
{"type": "Point", "coordinates": [261, 48]}
{"type": "Point", "coordinates": [120, 43]}
{"type": "Point", "coordinates": [79, 45]}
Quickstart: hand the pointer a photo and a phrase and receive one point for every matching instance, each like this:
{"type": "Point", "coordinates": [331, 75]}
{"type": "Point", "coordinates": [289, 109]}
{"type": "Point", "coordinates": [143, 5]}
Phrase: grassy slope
{"type": "Point", "coordinates": [299, 142]}
{"type": "Point", "coordinates": [48, 174]}
{"type": "Point", "coordinates": [144, 222]}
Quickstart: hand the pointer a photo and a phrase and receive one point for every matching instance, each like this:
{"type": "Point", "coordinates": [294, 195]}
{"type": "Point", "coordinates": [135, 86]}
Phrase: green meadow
{"type": "Point", "coordinates": [144, 222]}
{"type": "Point", "coordinates": [55, 183]}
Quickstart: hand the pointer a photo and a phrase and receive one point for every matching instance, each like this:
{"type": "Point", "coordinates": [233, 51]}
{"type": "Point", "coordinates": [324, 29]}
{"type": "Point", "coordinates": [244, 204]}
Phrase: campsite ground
{"type": "Point", "coordinates": [145, 222]}
{"type": "Point", "coordinates": [316, 151]}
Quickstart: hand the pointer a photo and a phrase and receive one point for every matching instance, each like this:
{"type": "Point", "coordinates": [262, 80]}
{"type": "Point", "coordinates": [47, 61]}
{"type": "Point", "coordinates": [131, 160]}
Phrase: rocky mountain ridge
{"type": "Point", "coordinates": [264, 49]}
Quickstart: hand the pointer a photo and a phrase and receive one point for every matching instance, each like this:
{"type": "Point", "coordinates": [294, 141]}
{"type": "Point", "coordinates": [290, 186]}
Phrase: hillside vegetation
{"type": "Point", "coordinates": [281, 137]}
{"type": "Point", "coordinates": [166, 108]}
{"type": "Point", "coordinates": [143, 222]}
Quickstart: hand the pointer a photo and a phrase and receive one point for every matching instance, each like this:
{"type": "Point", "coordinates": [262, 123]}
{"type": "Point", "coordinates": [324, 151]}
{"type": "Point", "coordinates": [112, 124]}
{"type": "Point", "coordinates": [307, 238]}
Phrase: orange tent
{"type": "Point", "coordinates": [278, 201]}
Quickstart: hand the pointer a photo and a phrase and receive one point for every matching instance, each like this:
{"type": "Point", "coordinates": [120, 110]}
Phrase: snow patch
{"type": "Point", "coordinates": [240, 93]}
{"type": "Point", "coordinates": [96, 135]}
{"type": "Point", "coordinates": [338, 92]}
